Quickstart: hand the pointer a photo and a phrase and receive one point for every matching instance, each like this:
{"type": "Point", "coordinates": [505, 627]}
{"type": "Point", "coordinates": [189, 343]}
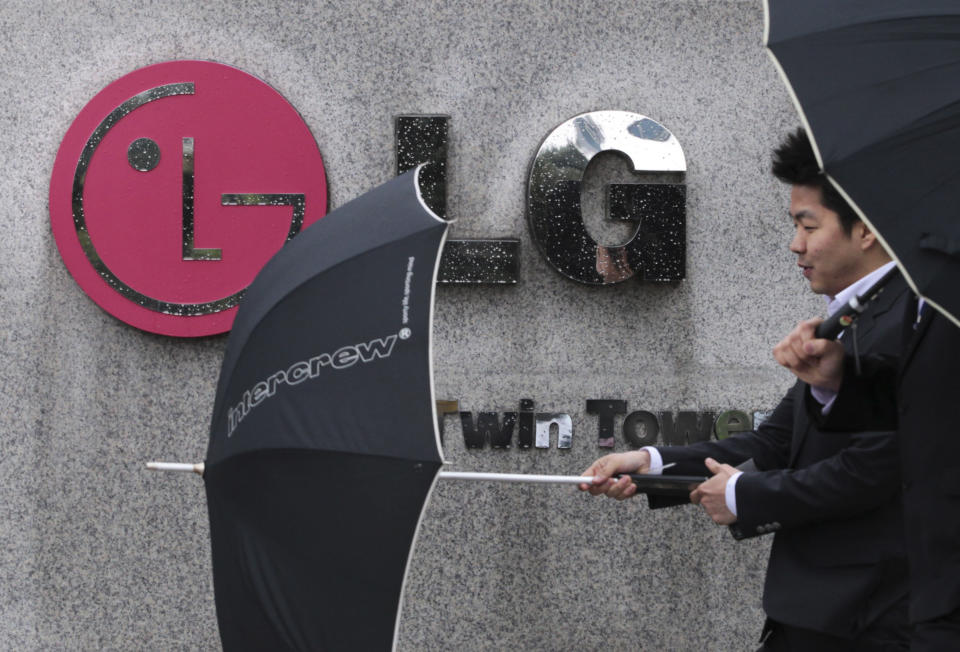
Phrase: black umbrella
{"type": "Point", "coordinates": [877, 83]}
{"type": "Point", "coordinates": [323, 443]}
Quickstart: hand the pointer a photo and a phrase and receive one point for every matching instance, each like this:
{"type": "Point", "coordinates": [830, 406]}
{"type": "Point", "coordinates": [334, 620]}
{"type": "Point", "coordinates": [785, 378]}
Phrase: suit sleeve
{"type": "Point", "coordinates": [864, 475]}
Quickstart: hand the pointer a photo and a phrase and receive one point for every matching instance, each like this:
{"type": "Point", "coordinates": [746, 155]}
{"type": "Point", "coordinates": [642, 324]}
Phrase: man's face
{"type": "Point", "coordinates": [830, 259]}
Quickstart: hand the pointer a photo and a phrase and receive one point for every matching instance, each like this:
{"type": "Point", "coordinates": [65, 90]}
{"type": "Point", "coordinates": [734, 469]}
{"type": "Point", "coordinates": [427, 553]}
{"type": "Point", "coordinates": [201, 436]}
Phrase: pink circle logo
{"type": "Point", "coordinates": [174, 186]}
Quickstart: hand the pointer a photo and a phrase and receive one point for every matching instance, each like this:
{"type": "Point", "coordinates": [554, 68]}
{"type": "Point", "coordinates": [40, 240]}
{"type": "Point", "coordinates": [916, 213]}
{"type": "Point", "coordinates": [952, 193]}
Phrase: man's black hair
{"type": "Point", "coordinates": [795, 163]}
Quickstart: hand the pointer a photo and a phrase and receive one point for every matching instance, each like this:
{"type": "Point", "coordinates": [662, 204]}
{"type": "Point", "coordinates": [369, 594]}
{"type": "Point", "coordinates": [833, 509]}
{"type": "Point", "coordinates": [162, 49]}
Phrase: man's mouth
{"type": "Point", "coordinates": [807, 270]}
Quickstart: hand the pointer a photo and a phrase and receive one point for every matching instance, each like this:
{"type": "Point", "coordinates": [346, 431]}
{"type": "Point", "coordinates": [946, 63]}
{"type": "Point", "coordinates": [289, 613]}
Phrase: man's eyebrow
{"type": "Point", "coordinates": [799, 215]}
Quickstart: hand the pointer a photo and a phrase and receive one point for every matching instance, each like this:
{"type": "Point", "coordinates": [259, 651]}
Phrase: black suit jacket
{"type": "Point", "coordinates": [837, 559]}
{"type": "Point", "coordinates": [921, 394]}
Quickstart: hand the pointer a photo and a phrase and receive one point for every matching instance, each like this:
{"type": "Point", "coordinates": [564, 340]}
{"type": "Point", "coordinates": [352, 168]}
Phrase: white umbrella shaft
{"type": "Point", "coordinates": [453, 475]}
{"type": "Point", "coordinates": [517, 477]}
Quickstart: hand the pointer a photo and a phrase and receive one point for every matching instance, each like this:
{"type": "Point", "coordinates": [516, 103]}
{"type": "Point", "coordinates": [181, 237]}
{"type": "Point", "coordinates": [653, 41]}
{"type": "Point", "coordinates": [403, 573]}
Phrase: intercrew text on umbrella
{"type": "Point", "coordinates": [342, 358]}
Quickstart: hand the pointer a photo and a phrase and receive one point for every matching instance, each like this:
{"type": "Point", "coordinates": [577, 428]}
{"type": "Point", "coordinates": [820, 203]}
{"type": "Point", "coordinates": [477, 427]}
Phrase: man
{"type": "Point", "coordinates": [836, 579]}
{"type": "Point", "coordinates": [919, 395]}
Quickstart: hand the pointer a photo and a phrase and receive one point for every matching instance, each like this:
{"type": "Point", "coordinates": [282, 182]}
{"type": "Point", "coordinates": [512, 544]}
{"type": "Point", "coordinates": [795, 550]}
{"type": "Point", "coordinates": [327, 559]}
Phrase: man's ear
{"type": "Point", "coordinates": [867, 238]}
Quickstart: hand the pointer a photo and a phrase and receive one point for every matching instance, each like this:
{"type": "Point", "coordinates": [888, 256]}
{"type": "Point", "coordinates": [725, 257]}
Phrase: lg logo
{"type": "Point", "coordinates": [174, 186]}
{"type": "Point", "coordinates": [178, 181]}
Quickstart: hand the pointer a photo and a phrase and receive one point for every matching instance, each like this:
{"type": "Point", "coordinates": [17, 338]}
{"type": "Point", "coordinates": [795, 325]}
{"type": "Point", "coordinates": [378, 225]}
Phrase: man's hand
{"type": "Point", "coordinates": [609, 465]}
{"type": "Point", "coordinates": [814, 361]}
{"type": "Point", "coordinates": [711, 495]}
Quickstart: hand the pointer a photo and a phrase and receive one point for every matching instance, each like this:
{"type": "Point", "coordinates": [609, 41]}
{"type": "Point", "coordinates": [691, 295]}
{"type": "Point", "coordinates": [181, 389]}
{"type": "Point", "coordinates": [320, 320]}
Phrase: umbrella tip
{"type": "Point", "coordinates": [176, 466]}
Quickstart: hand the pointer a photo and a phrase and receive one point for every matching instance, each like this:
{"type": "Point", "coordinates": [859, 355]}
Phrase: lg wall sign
{"type": "Point", "coordinates": [177, 182]}
{"type": "Point", "coordinates": [173, 187]}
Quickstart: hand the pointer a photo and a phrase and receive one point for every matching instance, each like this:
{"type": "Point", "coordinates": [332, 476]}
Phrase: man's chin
{"type": "Point", "coordinates": [817, 288]}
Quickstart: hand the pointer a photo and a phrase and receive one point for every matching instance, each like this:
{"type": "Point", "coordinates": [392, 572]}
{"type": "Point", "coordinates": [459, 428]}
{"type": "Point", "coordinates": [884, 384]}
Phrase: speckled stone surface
{"type": "Point", "coordinates": [97, 553]}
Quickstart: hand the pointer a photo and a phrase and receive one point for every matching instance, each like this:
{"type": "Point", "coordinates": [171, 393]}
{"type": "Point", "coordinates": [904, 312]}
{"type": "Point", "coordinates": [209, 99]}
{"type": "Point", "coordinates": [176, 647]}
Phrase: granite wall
{"type": "Point", "coordinates": [97, 553]}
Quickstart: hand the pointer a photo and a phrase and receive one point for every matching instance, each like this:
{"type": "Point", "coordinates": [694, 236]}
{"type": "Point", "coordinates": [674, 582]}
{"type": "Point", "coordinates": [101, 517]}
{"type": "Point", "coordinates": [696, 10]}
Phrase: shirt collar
{"type": "Point", "coordinates": [837, 302]}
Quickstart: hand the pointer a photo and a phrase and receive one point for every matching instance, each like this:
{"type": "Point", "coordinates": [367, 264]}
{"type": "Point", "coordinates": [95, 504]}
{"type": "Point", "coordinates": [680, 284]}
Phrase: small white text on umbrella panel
{"type": "Point", "coordinates": [298, 372]}
{"type": "Point", "coordinates": [406, 289]}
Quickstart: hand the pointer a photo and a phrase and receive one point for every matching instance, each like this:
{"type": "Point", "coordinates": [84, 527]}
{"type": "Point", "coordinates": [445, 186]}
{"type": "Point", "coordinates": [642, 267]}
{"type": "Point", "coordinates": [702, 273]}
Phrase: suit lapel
{"type": "Point", "coordinates": [916, 336]}
{"type": "Point", "coordinates": [875, 310]}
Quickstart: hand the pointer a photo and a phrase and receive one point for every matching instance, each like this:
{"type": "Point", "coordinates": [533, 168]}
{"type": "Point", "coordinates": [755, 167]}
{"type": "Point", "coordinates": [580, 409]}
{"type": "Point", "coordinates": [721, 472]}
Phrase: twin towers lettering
{"type": "Point", "coordinates": [638, 428]}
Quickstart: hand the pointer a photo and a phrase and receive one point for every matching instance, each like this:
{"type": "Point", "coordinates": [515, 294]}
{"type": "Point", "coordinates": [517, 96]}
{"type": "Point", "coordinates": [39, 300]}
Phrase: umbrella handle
{"type": "Point", "coordinates": [539, 479]}
{"type": "Point", "coordinates": [176, 466]}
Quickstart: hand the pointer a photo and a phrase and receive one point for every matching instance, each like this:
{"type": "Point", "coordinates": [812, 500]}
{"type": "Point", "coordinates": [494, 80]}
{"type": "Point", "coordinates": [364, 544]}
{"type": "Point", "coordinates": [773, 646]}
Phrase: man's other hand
{"type": "Point", "coordinates": [711, 495]}
{"type": "Point", "coordinates": [610, 465]}
{"type": "Point", "coordinates": [815, 361]}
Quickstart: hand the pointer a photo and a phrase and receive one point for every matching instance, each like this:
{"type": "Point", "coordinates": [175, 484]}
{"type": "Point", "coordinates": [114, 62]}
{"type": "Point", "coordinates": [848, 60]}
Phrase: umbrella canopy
{"type": "Point", "coordinates": [876, 82]}
{"type": "Point", "coordinates": [324, 442]}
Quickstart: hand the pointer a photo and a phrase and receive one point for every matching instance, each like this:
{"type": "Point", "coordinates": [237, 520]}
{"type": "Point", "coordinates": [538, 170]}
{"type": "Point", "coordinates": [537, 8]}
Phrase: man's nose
{"type": "Point", "coordinates": [798, 245]}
